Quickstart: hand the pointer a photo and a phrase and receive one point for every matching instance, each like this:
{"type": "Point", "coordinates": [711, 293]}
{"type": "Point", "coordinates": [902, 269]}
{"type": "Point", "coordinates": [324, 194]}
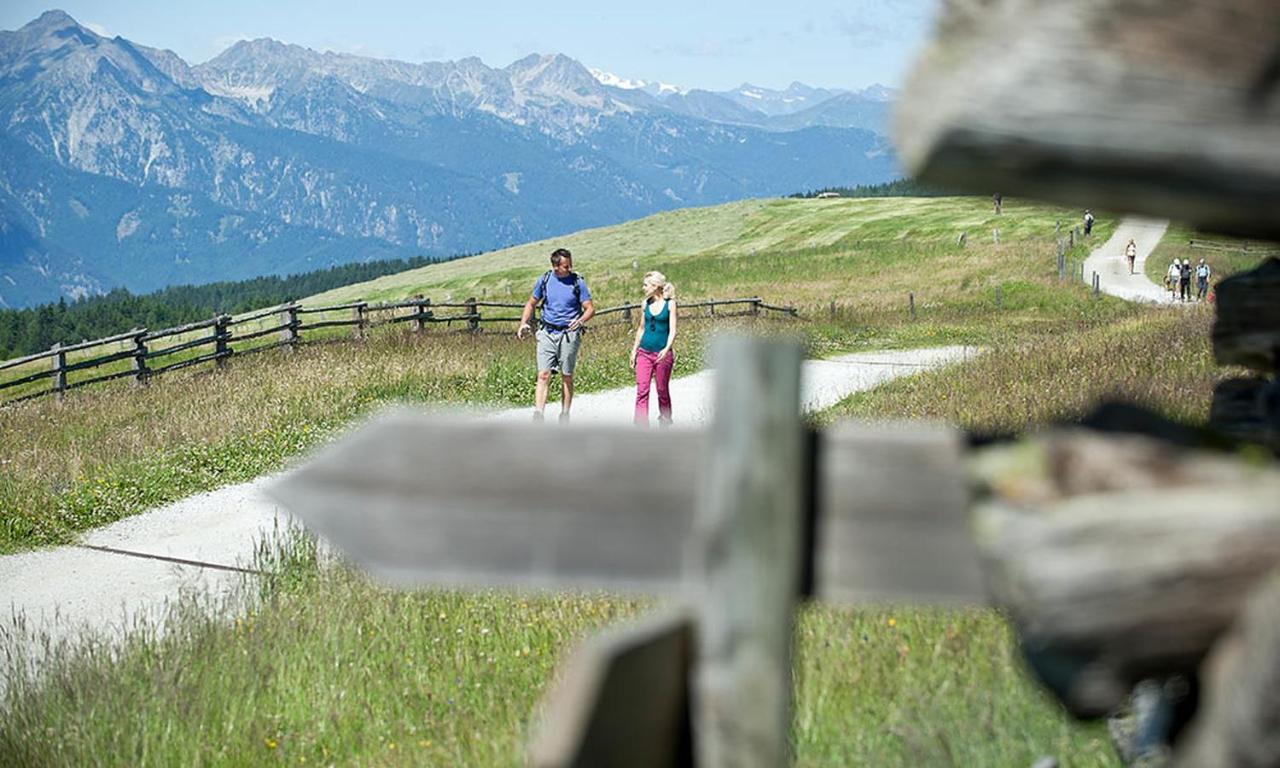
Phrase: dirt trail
{"type": "Point", "coordinates": [1109, 262]}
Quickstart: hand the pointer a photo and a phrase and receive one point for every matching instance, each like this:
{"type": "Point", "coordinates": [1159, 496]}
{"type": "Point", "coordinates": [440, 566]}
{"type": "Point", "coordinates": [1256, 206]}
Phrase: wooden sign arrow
{"type": "Point", "coordinates": [422, 499]}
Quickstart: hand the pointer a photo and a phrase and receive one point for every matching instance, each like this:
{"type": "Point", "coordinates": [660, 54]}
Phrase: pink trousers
{"type": "Point", "coordinates": [650, 370]}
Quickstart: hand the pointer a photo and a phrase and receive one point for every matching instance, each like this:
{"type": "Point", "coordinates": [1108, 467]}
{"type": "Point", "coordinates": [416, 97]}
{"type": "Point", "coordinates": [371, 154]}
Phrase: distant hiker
{"type": "Point", "coordinates": [1202, 280]}
{"type": "Point", "coordinates": [997, 200]}
{"type": "Point", "coordinates": [566, 307]}
{"type": "Point", "coordinates": [652, 357]}
{"type": "Point", "coordinates": [1088, 222]}
{"type": "Point", "coordinates": [1184, 280]}
{"type": "Point", "coordinates": [1172, 276]}
{"type": "Point", "coordinates": [1131, 253]}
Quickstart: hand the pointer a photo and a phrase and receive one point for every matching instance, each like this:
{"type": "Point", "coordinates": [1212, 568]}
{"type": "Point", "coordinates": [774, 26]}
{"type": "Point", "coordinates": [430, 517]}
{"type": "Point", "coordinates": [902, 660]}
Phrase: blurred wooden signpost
{"type": "Point", "coordinates": [739, 523]}
{"type": "Point", "coordinates": [735, 525]}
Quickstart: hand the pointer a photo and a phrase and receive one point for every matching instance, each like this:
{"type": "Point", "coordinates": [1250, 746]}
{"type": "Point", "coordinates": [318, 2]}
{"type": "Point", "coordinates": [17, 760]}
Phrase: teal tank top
{"type": "Point", "coordinates": [656, 328]}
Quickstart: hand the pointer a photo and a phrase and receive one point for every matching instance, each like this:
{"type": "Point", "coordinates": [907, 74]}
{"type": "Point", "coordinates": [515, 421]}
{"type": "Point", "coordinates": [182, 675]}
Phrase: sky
{"type": "Point", "coordinates": [712, 44]}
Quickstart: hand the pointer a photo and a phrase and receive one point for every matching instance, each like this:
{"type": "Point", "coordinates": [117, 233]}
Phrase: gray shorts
{"type": "Point", "coordinates": [558, 350]}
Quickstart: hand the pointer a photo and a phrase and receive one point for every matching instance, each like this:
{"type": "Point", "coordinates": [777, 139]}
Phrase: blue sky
{"type": "Point", "coordinates": [715, 44]}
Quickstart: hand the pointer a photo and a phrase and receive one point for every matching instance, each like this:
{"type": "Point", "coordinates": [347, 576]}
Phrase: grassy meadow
{"type": "Point", "coordinates": [328, 669]}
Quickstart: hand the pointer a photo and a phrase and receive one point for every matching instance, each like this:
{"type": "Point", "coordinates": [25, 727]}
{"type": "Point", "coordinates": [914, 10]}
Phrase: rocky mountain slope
{"type": "Point", "coordinates": [124, 165]}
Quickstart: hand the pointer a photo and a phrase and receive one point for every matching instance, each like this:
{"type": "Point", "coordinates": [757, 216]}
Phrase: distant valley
{"type": "Point", "coordinates": [123, 165]}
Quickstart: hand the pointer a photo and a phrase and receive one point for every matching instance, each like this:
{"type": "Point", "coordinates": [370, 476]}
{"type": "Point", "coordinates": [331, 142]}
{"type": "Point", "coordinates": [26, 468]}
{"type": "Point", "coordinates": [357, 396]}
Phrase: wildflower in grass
{"type": "Point", "coordinates": [892, 622]}
{"type": "Point", "coordinates": [270, 743]}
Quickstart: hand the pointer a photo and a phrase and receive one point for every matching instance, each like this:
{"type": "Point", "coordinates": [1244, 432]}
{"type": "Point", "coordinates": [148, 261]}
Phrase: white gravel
{"type": "Point", "coordinates": [67, 590]}
{"type": "Point", "coordinates": [1112, 267]}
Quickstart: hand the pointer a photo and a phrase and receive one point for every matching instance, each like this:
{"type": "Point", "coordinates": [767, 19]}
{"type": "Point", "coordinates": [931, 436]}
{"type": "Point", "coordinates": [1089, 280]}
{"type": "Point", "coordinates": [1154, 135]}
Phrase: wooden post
{"type": "Point", "coordinates": [997, 297]}
{"type": "Point", "coordinates": [419, 303]}
{"type": "Point", "coordinates": [289, 318]}
{"type": "Point", "coordinates": [59, 362]}
{"type": "Point", "coordinates": [1097, 284]}
{"type": "Point", "coordinates": [749, 541]}
{"type": "Point", "coordinates": [711, 307]}
{"type": "Point", "coordinates": [140, 372]}
{"type": "Point", "coordinates": [473, 315]}
{"type": "Point", "coordinates": [911, 304]}
{"type": "Point", "coordinates": [832, 309]}
{"type": "Point", "coordinates": [220, 338]}
{"type": "Point", "coordinates": [755, 306]}
{"type": "Point", "coordinates": [626, 313]}
{"type": "Point", "coordinates": [995, 236]}
{"type": "Point", "coordinates": [358, 314]}
{"type": "Point", "coordinates": [1071, 238]}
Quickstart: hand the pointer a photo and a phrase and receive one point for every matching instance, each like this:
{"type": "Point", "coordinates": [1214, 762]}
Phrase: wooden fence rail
{"type": "Point", "coordinates": [286, 322]}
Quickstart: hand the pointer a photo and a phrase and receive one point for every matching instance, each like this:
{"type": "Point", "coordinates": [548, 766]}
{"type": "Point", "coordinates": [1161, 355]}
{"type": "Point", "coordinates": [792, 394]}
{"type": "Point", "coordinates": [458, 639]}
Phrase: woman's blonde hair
{"type": "Point", "coordinates": [657, 278]}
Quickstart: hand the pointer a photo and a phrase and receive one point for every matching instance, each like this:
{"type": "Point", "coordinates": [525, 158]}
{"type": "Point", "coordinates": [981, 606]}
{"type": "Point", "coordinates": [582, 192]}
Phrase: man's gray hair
{"type": "Point", "coordinates": [559, 255]}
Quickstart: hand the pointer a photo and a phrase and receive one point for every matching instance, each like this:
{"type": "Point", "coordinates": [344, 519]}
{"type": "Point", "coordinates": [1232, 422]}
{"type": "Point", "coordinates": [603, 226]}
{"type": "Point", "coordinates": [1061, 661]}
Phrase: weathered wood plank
{"type": "Point", "coordinates": [1246, 330]}
{"type": "Point", "coordinates": [1169, 109]}
{"type": "Point", "coordinates": [750, 550]}
{"type": "Point", "coordinates": [1121, 558]}
{"type": "Point", "coordinates": [895, 522]}
{"type": "Point", "coordinates": [1235, 724]}
{"type": "Point", "coordinates": [449, 500]}
{"type": "Point", "coordinates": [622, 700]}
{"type": "Point", "coordinates": [437, 499]}
{"type": "Point", "coordinates": [1248, 409]}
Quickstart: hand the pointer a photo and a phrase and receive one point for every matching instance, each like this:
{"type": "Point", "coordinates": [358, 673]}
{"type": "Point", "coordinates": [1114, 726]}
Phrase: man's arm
{"type": "Point", "coordinates": [525, 316]}
{"type": "Point", "coordinates": [588, 310]}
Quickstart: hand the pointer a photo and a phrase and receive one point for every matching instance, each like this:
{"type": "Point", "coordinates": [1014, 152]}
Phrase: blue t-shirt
{"type": "Point", "coordinates": [560, 306]}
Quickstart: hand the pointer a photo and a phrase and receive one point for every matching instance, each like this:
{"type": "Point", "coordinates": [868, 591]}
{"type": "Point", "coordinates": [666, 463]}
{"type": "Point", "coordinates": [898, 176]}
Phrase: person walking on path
{"type": "Point", "coordinates": [1184, 280]}
{"type": "Point", "coordinates": [1131, 253]}
{"type": "Point", "coordinates": [1088, 222]}
{"type": "Point", "coordinates": [566, 308]}
{"type": "Point", "coordinates": [652, 357]}
{"type": "Point", "coordinates": [997, 200]}
{"type": "Point", "coordinates": [1172, 276]}
{"type": "Point", "coordinates": [1202, 280]}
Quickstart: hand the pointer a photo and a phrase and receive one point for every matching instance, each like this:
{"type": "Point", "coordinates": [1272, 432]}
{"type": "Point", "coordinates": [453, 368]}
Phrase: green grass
{"type": "Point", "coordinates": [325, 669]}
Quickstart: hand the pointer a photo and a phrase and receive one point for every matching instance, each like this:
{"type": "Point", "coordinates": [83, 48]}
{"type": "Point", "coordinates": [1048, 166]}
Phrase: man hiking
{"type": "Point", "coordinates": [1184, 282]}
{"type": "Point", "coordinates": [566, 307]}
{"type": "Point", "coordinates": [1202, 280]}
{"type": "Point", "coordinates": [1131, 253]}
{"type": "Point", "coordinates": [1088, 222]}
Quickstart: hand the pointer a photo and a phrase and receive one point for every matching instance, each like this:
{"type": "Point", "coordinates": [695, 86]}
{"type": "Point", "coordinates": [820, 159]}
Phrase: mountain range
{"type": "Point", "coordinates": [123, 165]}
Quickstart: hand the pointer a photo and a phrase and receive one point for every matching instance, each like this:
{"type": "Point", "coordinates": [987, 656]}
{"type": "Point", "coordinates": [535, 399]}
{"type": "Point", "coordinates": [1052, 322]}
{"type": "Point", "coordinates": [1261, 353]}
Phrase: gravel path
{"type": "Point", "coordinates": [1113, 269]}
{"type": "Point", "coordinates": [65, 590]}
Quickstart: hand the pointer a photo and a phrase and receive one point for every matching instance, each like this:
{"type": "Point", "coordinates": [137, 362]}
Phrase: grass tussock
{"type": "Point", "coordinates": [1160, 359]}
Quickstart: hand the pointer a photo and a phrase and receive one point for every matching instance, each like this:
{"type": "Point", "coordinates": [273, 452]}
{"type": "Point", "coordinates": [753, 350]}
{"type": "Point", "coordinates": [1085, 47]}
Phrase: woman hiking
{"type": "Point", "coordinates": [651, 354]}
{"type": "Point", "coordinates": [1131, 253]}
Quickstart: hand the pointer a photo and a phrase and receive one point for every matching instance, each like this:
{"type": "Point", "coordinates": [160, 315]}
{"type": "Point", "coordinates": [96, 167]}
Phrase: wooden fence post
{"type": "Point", "coordinates": [59, 370]}
{"type": "Point", "coordinates": [911, 304]}
{"type": "Point", "coordinates": [358, 315]}
{"type": "Point", "coordinates": [997, 297]}
{"type": "Point", "coordinates": [1097, 285]}
{"type": "Point", "coordinates": [417, 325]}
{"type": "Point", "coordinates": [755, 306]}
{"type": "Point", "coordinates": [832, 309]}
{"type": "Point", "coordinates": [473, 315]}
{"type": "Point", "coordinates": [220, 338]}
{"type": "Point", "coordinates": [626, 313]}
{"type": "Point", "coordinates": [289, 318]}
{"type": "Point", "coordinates": [749, 530]}
{"type": "Point", "coordinates": [1071, 238]}
{"type": "Point", "coordinates": [140, 372]}
{"type": "Point", "coordinates": [995, 236]}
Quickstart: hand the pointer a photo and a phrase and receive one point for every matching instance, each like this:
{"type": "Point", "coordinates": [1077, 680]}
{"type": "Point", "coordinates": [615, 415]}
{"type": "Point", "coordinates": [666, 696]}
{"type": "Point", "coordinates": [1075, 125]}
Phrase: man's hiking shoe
{"type": "Point", "coordinates": [538, 416]}
{"type": "Point", "coordinates": [564, 417]}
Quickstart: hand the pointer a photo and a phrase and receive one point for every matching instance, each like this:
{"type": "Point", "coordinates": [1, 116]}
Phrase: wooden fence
{"type": "Point", "coordinates": [170, 349]}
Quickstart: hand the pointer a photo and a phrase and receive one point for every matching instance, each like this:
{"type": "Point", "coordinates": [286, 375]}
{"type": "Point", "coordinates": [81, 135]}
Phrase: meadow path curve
{"type": "Point", "coordinates": [126, 571]}
{"type": "Point", "coordinates": [1109, 261]}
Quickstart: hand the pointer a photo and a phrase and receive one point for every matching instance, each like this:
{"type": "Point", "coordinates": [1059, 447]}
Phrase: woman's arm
{"type": "Point", "coordinates": [635, 344]}
{"type": "Point", "coordinates": [671, 329]}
